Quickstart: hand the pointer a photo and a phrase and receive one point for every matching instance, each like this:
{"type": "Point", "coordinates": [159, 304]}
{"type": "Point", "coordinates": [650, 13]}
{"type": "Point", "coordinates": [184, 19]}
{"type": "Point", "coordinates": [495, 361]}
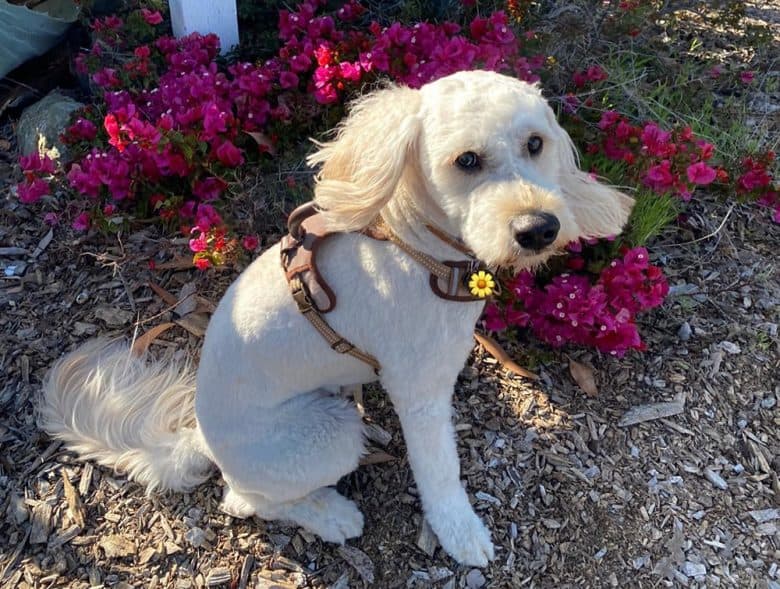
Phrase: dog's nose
{"type": "Point", "coordinates": [535, 231]}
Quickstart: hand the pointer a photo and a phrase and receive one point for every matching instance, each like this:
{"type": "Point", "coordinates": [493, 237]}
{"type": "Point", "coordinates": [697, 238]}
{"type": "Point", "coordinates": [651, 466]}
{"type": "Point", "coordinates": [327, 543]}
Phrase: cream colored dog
{"type": "Point", "coordinates": [479, 155]}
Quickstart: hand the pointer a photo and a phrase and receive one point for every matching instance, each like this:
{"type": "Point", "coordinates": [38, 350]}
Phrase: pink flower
{"type": "Point", "coordinates": [82, 130]}
{"type": "Point", "coordinates": [199, 243]}
{"type": "Point", "coordinates": [700, 173]}
{"type": "Point", "coordinates": [81, 223]}
{"type": "Point", "coordinates": [250, 242]}
{"type": "Point", "coordinates": [608, 119]}
{"type": "Point", "coordinates": [288, 80]}
{"type": "Point", "coordinates": [350, 71]}
{"type": "Point", "coordinates": [207, 217]}
{"type": "Point", "coordinates": [112, 127]}
{"type": "Point", "coordinates": [202, 263]}
{"type": "Point", "coordinates": [51, 219]}
{"type": "Point", "coordinates": [36, 163]}
{"type": "Point", "coordinates": [210, 188]}
{"type": "Point", "coordinates": [752, 180]}
{"type": "Point", "coordinates": [596, 74]}
{"type": "Point", "coordinates": [656, 141]}
{"type": "Point", "coordinates": [152, 18]}
{"type": "Point", "coordinates": [660, 177]}
{"type": "Point", "coordinates": [746, 77]}
{"type": "Point", "coordinates": [31, 192]}
{"type": "Point", "coordinates": [106, 78]}
{"type": "Point", "coordinates": [229, 155]}
{"type": "Point", "coordinates": [493, 318]}
{"type": "Point", "coordinates": [215, 120]}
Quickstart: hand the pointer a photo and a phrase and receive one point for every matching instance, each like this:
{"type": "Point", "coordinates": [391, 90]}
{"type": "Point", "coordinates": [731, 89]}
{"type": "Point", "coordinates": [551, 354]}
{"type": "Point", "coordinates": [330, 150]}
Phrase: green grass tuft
{"type": "Point", "coordinates": [651, 214]}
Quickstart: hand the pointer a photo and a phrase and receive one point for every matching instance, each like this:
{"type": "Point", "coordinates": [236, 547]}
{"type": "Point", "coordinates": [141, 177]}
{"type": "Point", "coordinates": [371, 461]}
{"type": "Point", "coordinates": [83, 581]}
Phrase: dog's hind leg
{"type": "Point", "coordinates": [283, 473]}
{"type": "Point", "coordinates": [325, 512]}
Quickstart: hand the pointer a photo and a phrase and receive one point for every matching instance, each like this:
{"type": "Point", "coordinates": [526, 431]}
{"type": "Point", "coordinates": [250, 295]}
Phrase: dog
{"type": "Point", "coordinates": [476, 154]}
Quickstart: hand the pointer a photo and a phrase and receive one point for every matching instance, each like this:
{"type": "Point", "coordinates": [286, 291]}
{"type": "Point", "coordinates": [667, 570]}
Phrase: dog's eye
{"type": "Point", "coordinates": [468, 161]}
{"type": "Point", "coordinates": [535, 145]}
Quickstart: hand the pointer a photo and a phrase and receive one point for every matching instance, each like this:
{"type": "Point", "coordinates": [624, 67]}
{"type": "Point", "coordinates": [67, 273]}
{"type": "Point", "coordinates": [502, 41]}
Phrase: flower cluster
{"type": "Point", "coordinates": [593, 74]}
{"type": "Point", "coordinates": [757, 182]}
{"type": "Point", "coordinates": [410, 54]}
{"type": "Point", "coordinates": [664, 161]}
{"type": "Point", "coordinates": [37, 171]}
{"type": "Point", "coordinates": [171, 127]}
{"type": "Point", "coordinates": [573, 309]}
{"type": "Point", "coordinates": [171, 124]}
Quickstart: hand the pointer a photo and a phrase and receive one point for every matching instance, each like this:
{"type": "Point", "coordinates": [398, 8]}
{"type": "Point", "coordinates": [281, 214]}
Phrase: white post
{"type": "Point", "coordinates": [206, 16]}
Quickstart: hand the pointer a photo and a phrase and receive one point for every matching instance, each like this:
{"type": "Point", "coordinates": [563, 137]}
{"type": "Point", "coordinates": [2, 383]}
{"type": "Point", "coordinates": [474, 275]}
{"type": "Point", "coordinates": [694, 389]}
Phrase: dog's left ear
{"type": "Point", "coordinates": [363, 166]}
{"type": "Point", "coordinates": [599, 210]}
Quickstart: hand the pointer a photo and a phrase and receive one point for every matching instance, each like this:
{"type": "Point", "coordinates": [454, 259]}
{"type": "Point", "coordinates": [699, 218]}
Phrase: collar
{"type": "Point", "coordinates": [460, 281]}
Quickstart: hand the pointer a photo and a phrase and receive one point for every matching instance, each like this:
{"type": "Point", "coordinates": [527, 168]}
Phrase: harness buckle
{"type": "Point", "coordinates": [301, 298]}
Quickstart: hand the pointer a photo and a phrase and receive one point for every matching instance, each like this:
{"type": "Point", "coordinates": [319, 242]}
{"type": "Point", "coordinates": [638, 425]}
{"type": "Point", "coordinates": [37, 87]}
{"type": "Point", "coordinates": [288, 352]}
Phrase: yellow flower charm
{"type": "Point", "coordinates": [481, 284]}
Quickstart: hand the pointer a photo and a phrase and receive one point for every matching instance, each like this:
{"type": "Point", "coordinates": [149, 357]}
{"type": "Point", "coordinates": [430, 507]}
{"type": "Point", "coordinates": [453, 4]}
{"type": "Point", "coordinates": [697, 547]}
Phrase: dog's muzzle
{"type": "Point", "coordinates": [536, 231]}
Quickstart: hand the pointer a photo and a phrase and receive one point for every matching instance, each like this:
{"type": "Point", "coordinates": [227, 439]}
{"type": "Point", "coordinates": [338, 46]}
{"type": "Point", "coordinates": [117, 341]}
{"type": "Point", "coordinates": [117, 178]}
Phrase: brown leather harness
{"type": "Point", "coordinates": [307, 233]}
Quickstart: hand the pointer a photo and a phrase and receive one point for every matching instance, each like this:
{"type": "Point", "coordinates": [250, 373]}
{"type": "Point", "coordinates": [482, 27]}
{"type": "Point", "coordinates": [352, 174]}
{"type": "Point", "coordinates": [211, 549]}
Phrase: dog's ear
{"type": "Point", "coordinates": [599, 210]}
{"type": "Point", "coordinates": [363, 165]}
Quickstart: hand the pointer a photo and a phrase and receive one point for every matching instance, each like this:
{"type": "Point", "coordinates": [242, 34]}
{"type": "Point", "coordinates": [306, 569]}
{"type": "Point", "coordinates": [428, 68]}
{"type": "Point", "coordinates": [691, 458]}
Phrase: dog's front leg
{"type": "Point", "coordinates": [426, 420]}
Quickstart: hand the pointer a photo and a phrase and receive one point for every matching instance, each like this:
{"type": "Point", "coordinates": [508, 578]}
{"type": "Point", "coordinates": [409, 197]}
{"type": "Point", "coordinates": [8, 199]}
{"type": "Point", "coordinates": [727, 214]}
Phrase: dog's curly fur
{"type": "Point", "coordinates": [267, 407]}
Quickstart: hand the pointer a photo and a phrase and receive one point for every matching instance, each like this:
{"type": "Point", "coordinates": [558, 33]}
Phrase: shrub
{"type": "Point", "coordinates": [171, 126]}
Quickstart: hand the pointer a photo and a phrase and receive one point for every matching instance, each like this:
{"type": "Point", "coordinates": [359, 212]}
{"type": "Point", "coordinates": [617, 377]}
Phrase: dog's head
{"type": "Point", "coordinates": [480, 154]}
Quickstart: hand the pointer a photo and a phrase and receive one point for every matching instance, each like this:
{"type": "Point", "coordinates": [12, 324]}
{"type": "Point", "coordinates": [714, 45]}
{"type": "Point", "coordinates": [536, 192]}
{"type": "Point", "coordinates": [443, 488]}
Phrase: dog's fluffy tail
{"type": "Point", "coordinates": [128, 413]}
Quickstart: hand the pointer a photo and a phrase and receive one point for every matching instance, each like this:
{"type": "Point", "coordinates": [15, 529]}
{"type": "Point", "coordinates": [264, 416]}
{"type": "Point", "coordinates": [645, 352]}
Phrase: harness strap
{"type": "Point", "coordinates": [313, 296]}
{"type": "Point", "coordinates": [448, 279]}
{"type": "Point", "coordinates": [335, 340]}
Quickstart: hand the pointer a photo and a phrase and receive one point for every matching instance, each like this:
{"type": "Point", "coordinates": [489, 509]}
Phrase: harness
{"type": "Point", "coordinates": [314, 298]}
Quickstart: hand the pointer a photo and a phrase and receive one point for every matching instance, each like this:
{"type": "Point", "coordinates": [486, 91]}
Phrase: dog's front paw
{"type": "Point", "coordinates": [462, 534]}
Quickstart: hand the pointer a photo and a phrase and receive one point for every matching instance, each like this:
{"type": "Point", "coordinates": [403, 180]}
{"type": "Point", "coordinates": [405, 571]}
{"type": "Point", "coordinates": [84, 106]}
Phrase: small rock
{"type": "Point", "coordinates": [600, 554]}
{"type": "Point", "coordinates": [684, 333]}
{"type": "Point", "coordinates": [80, 328]}
{"type": "Point", "coordinates": [693, 569]}
{"type": "Point", "coordinates": [677, 290]}
{"type": "Point", "coordinates": [113, 317]}
{"type": "Point", "coordinates": [482, 496]}
{"type": "Point", "coordinates": [767, 529]}
{"type": "Point", "coordinates": [475, 579]}
{"type": "Point", "coordinates": [765, 515]}
{"type": "Point", "coordinates": [195, 536]}
{"type": "Point", "coordinates": [418, 578]}
{"type": "Point", "coordinates": [729, 347]}
{"type": "Point", "coordinates": [439, 573]}
{"type": "Point", "coordinates": [715, 479]}
{"type": "Point", "coordinates": [42, 123]}
{"type": "Point", "coordinates": [641, 561]}
{"type": "Point", "coordinates": [15, 269]}
{"type": "Point", "coordinates": [768, 402]}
